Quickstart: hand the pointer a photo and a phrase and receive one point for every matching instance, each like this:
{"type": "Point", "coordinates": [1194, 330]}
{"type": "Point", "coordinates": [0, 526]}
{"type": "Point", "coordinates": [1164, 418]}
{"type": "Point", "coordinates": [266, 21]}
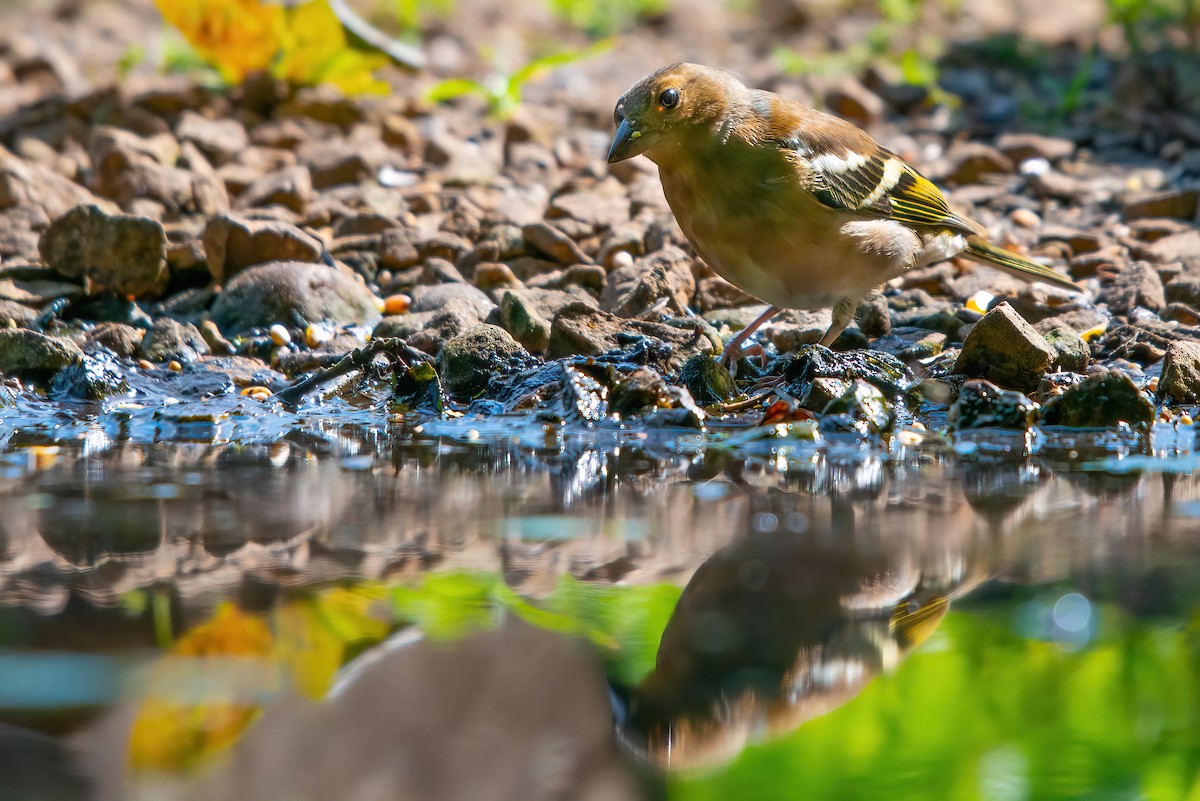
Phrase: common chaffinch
{"type": "Point", "coordinates": [795, 206]}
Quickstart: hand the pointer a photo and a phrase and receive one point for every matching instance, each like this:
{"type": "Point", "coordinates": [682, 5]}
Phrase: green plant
{"type": "Point", "coordinates": [605, 17]}
{"type": "Point", "coordinates": [503, 91]}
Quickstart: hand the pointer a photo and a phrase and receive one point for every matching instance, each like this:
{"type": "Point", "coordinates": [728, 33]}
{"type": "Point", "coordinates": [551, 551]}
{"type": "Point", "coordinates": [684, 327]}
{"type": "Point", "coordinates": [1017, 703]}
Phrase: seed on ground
{"type": "Point", "coordinates": [280, 335]}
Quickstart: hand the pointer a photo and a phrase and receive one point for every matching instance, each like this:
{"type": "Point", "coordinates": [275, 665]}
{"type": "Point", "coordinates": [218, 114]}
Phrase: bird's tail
{"type": "Point", "coordinates": [985, 252]}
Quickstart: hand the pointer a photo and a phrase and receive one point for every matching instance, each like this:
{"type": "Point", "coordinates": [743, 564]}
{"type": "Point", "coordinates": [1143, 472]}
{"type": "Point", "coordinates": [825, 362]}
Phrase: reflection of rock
{"type": "Point", "coordinates": [777, 629]}
{"type": "Point", "coordinates": [514, 714]}
{"type": "Point", "coordinates": [996, 488]}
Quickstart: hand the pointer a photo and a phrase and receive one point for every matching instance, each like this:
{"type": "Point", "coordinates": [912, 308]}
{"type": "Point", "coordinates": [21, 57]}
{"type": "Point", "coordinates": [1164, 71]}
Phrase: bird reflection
{"type": "Point", "coordinates": [775, 630]}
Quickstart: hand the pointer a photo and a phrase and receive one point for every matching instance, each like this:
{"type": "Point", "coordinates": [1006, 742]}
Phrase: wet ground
{"type": "Point", "coordinates": [192, 604]}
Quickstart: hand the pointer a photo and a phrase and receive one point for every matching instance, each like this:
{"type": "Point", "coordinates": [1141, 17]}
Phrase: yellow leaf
{"type": "Point", "coordinates": [236, 36]}
{"type": "Point", "coordinates": [191, 714]}
{"type": "Point", "coordinates": [316, 50]}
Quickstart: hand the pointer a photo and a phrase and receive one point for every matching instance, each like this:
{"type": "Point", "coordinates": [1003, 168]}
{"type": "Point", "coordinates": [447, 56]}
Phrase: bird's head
{"type": "Point", "coordinates": [674, 108]}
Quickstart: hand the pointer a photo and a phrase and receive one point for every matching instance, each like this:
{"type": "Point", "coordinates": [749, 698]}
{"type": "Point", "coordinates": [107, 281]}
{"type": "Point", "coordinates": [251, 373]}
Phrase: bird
{"type": "Point", "coordinates": [795, 206]}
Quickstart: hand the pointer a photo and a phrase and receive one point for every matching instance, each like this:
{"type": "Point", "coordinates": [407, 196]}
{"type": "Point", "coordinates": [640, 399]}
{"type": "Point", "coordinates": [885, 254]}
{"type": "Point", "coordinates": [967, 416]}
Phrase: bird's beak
{"type": "Point", "coordinates": [627, 143]}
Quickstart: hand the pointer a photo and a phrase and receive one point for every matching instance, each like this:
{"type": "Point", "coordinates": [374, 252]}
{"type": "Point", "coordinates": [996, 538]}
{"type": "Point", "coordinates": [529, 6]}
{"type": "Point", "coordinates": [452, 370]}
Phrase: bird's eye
{"type": "Point", "coordinates": [669, 98]}
{"type": "Point", "coordinates": [619, 114]}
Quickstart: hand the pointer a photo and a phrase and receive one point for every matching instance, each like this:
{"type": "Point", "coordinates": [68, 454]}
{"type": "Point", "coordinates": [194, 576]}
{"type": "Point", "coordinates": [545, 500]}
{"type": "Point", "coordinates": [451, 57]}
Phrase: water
{"type": "Point", "coordinates": [225, 600]}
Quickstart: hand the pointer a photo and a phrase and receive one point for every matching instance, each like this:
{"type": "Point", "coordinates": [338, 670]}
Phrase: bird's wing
{"type": "Point", "coordinates": [848, 170]}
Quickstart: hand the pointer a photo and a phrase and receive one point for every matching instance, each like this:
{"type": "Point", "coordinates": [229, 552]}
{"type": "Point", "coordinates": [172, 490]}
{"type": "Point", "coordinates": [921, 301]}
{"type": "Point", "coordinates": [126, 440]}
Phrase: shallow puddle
{"type": "Point", "coordinates": [192, 602]}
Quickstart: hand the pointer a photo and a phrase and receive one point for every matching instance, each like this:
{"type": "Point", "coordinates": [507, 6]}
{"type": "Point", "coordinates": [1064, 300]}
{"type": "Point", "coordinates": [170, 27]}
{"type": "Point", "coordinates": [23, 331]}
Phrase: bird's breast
{"type": "Point", "coordinates": [755, 223]}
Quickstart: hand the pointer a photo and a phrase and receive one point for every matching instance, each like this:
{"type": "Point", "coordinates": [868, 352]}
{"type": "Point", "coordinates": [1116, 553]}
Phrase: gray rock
{"type": "Point", "coordinates": [281, 291]}
{"type": "Point", "coordinates": [29, 354]}
{"type": "Point", "coordinates": [862, 408]}
{"type": "Point", "coordinates": [15, 315]}
{"type": "Point", "coordinates": [661, 280]}
{"type": "Point", "coordinates": [1023, 146]}
{"type": "Point", "coordinates": [429, 330]}
{"type": "Point", "coordinates": [1180, 380]}
{"type": "Point", "coordinates": [91, 378]}
{"type": "Point", "coordinates": [1183, 248]}
{"type": "Point", "coordinates": [970, 161]}
{"type": "Point", "coordinates": [220, 140]}
{"type": "Point", "coordinates": [1102, 400]}
{"type": "Point", "coordinates": [1073, 353]}
{"type": "Point", "coordinates": [291, 188]}
{"type": "Point", "coordinates": [1136, 285]}
{"type": "Point", "coordinates": [170, 339]}
{"type": "Point", "coordinates": [1184, 289]}
{"type": "Point", "coordinates": [1005, 349]}
{"type": "Point", "coordinates": [125, 254]}
{"type": "Point", "coordinates": [231, 244]}
{"type": "Point", "coordinates": [132, 170]}
{"type": "Point", "coordinates": [580, 329]}
{"type": "Point", "coordinates": [470, 359]}
{"type": "Point", "coordinates": [1180, 204]}
{"type": "Point", "coordinates": [23, 184]}
{"type": "Point", "coordinates": [550, 241]}
{"type": "Point", "coordinates": [982, 404]}
{"type": "Point", "coordinates": [123, 340]}
{"type": "Point", "coordinates": [707, 381]}
{"type": "Point", "coordinates": [436, 297]}
{"type": "Point", "coordinates": [521, 318]}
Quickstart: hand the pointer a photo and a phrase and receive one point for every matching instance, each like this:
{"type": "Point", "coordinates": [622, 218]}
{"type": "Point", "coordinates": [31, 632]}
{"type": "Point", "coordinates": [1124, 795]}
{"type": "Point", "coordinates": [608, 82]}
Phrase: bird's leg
{"type": "Point", "coordinates": [733, 349]}
{"type": "Point", "coordinates": [843, 313]}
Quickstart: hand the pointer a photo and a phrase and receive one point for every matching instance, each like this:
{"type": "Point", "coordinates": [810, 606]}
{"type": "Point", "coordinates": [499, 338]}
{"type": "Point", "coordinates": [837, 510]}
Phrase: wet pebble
{"type": "Point", "coordinates": [260, 296]}
{"type": "Point", "coordinates": [982, 404]}
{"type": "Point", "coordinates": [1005, 349]}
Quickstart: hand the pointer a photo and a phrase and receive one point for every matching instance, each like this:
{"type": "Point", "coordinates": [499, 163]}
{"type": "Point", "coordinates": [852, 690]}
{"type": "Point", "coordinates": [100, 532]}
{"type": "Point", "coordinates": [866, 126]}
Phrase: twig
{"type": "Point", "coordinates": [356, 359]}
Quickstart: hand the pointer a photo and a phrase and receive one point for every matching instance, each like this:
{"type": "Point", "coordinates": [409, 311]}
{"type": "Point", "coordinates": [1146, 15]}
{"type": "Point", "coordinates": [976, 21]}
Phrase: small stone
{"type": "Point", "coordinates": [217, 343]}
{"type": "Point", "coordinates": [1184, 248]}
{"type": "Point", "coordinates": [30, 185]}
{"type": "Point", "coordinates": [1136, 285]}
{"type": "Point", "coordinates": [661, 280]}
{"type": "Point", "coordinates": [125, 254]}
{"type": "Point", "coordinates": [1005, 349]}
{"type": "Point", "coordinates": [231, 244]}
{"type": "Point", "coordinates": [221, 140]}
{"type": "Point", "coordinates": [259, 296]}
{"type": "Point", "coordinates": [92, 378]}
{"type": "Point", "coordinates": [1104, 399]}
{"type": "Point", "coordinates": [1072, 352]}
{"type": "Point", "coordinates": [174, 366]}
{"type": "Point", "coordinates": [1024, 146]}
{"type": "Point", "coordinates": [982, 404]}
{"type": "Point", "coordinates": [970, 161]}
{"type": "Point", "coordinates": [580, 329]}
{"type": "Point", "coordinates": [848, 98]}
{"type": "Point", "coordinates": [550, 241]}
{"type": "Point", "coordinates": [708, 382]}
{"type": "Point", "coordinates": [396, 304]}
{"type": "Point", "coordinates": [123, 340]}
{"type": "Point", "coordinates": [470, 359]}
{"type": "Point", "coordinates": [170, 339]}
{"type": "Point", "coordinates": [1179, 204]}
{"type": "Point", "coordinates": [1180, 381]}
{"type": "Point", "coordinates": [862, 408]}
{"type": "Point", "coordinates": [526, 325]}
{"type": "Point", "coordinates": [15, 315]}
{"type": "Point", "coordinates": [1025, 218]}
{"type": "Point", "coordinates": [493, 276]}
{"type": "Point", "coordinates": [29, 354]}
{"type": "Point", "coordinates": [279, 335]}
{"type": "Point", "coordinates": [291, 188]}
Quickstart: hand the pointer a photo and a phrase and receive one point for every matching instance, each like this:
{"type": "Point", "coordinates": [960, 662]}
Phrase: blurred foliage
{"type": "Point", "coordinates": [304, 44]}
{"type": "Point", "coordinates": [1151, 24]}
{"type": "Point", "coordinates": [212, 682]}
{"type": "Point", "coordinates": [606, 17]}
{"type": "Point", "coordinates": [411, 14]}
{"type": "Point", "coordinates": [502, 91]}
{"type": "Point", "coordinates": [982, 712]}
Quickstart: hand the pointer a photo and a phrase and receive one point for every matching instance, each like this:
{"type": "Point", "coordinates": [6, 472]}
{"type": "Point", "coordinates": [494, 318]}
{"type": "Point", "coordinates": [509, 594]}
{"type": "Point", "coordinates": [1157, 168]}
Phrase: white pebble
{"type": "Point", "coordinates": [280, 335]}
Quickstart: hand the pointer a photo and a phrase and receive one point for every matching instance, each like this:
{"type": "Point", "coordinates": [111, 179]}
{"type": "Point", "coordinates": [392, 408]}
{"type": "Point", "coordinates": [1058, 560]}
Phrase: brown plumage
{"type": "Point", "coordinates": [797, 207]}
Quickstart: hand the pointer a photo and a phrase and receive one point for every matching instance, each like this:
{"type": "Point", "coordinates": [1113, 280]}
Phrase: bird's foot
{"type": "Point", "coordinates": [735, 351]}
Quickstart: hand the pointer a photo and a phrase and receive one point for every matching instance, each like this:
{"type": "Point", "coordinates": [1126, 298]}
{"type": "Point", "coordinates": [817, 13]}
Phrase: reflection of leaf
{"type": "Point", "coordinates": [448, 605]}
{"type": "Point", "coordinates": [314, 635]}
{"type": "Point", "coordinates": [171, 734]}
